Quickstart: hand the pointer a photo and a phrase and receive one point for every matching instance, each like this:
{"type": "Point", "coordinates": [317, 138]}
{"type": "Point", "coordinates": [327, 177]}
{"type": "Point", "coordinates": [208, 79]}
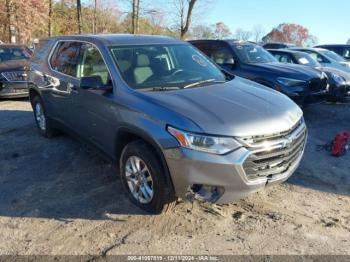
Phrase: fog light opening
{"type": "Point", "coordinates": [204, 193]}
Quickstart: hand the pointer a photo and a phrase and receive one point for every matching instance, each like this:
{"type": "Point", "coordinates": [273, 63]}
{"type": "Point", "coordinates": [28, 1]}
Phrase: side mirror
{"type": "Point", "coordinates": [94, 83]}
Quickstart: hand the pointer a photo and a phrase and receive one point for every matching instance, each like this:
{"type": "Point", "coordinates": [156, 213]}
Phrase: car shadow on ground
{"type": "Point", "coordinates": [64, 179]}
{"type": "Point", "coordinates": [55, 178]}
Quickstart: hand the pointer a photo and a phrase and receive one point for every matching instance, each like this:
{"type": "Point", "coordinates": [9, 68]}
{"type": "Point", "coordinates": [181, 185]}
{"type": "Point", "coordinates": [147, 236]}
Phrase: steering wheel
{"type": "Point", "coordinates": [177, 72]}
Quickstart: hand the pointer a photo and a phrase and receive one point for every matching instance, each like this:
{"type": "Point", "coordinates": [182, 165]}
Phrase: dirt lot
{"type": "Point", "coordinates": [61, 197]}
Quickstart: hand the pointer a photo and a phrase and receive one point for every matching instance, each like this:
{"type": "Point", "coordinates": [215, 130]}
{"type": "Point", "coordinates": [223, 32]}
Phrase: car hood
{"type": "Point", "coordinates": [288, 70]}
{"type": "Point", "coordinates": [13, 65]}
{"type": "Point", "coordinates": [236, 108]}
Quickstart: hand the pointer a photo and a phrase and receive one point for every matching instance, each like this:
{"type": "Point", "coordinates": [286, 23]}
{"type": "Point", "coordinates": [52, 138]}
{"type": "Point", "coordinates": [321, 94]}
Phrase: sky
{"type": "Point", "coordinates": [328, 20]}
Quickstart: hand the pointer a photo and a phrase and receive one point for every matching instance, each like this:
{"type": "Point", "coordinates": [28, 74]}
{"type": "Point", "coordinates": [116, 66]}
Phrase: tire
{"type": "Point", "coordinates": [155, 194]}
{"type": "Point", "coordinates": [41, 119]}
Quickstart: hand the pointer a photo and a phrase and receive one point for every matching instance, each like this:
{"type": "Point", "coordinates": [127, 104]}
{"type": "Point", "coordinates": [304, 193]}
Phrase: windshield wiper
{"type": "Point", "coordinates": [161, 88]}
{"type": "Point", "coordinates": [203, 82]}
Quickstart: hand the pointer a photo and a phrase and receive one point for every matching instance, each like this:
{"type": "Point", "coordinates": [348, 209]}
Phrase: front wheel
{"type": "Point", "coordinates": [144, 178]}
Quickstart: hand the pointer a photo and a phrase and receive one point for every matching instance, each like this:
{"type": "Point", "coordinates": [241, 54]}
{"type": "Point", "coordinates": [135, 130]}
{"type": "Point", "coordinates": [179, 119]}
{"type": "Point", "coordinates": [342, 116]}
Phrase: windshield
{"type": "Point", "coordinates": [161, 66]}
{"type": "Point", "coordinates": [253, 54]}
{"type": "Point", "coordinates": [13, 53]}
{"type": "Point", "coordinates": [307, 60]}
{"type": "Point", "coordinates": [332, 55]}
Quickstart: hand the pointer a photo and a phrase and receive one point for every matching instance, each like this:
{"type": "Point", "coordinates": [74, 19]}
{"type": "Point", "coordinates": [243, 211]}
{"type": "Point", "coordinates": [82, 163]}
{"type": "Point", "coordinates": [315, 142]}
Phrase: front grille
{"type": "Point", "coordinates": [318, 84]}
{"type": "Point", "coordinates": [275, 154]}
{"type": "Point", "coordinates": [15, 76]}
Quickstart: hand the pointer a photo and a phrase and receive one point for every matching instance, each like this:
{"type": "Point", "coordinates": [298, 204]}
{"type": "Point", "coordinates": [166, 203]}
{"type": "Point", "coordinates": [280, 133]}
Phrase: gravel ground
{"type": "Point", "coordinates": [62, 197]}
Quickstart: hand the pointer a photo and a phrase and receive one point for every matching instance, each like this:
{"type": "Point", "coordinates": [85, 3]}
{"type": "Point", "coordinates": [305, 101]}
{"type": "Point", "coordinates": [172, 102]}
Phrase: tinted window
{"type": "Point", "coordinates": [205, 48]}
{"type": "Point", "coordinates": [346, 52]}
{"type": "Point", "coordinates": [332, 55]}
{"type": "Point", "coordinates": [221, 55]}
{"type": "Point", "coordinates": [65, 58]}
{"type": "Point", "coordinates": [14, 53]}
{"type": "Point", "coordinates": [307, 60]}
{"type": "Point", "coordinates": [283, 58]}
{"type": "Point", "coordinates": [164, 66]}
{"type": "Point", "coordinates": [218, 52]}
{"type": "Point", "coordinates": [316, 56]}
{"type": "Point", "coordinates": [253, 54]}
{"type": "Point", "coordinates": [91, 63]}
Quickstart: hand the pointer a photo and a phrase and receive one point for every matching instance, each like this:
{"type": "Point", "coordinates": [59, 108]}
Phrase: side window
{"type": "Point", "coordinates": [221, 55]}
{"type": "Point", "coordinates": [346, 53]}
{"type": "Point", "coordinates": [285, 58]}
{"type": "Point", "coordinates": [65, 58]}
{"type": "Point", "coordinates": [91, 63]}
{"type": "Point", "coordinates": [205, 48]}
{"type": "Point", "coordinates": [319, 58]}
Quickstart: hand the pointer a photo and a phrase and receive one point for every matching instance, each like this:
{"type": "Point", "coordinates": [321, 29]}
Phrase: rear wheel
{"type": "Point", "coordinates": [41, 120]}
{"type": "Point", "coordinates": [144, 178]}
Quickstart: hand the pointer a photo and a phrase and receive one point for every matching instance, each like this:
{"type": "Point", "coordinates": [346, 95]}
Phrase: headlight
{"type": "Point", "coordinates": [290, 81]}
{"type": "Point", "coordinates": [204, 143]}
{"type": "Point", "coordinates": [338, 79]}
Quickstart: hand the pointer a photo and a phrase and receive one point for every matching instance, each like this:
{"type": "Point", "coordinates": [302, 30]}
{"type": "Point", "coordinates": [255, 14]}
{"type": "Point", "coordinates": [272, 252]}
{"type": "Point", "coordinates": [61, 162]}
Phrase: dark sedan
{"type": "Point", "coordinates": [13, 77]}
{"type": "Point", "coordinates": [304, 85]}
{"type": "Point", "coordinates": [342, 50]}
{"type": "Point", "coordinates": [339, 80]}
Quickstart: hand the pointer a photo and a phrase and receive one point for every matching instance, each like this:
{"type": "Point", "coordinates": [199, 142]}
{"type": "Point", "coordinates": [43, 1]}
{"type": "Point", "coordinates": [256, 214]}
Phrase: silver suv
{"type": "Point", "coordinates": [178, 126]}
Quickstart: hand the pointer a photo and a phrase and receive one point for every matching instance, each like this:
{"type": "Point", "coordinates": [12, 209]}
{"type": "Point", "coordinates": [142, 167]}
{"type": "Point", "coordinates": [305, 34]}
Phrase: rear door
{"type": "Point", "coordinates": [63, 78]}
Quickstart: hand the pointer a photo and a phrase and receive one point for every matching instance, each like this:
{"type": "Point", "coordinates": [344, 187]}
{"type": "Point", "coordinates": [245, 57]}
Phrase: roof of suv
{"type": "Point", "coordinates": [307, 48]}
{"type": "Point", "coordinates": [121, 39]}
{"type": "Point", "coordinates": [285, 50]}
{"type": "Point", "coordinates": [230, 41]}
{"type": "Point", "coordinates": [335, 45]}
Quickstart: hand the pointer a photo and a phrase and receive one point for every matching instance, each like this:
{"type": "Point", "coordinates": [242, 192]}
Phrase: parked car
{"type": "Point", "coordinates": [13, 78]}
{"type": "Point", "coordinates": [303, 85]}
{"type": "Point", "coordinates": [278, 45]}
{"type": "Point", "coordinates": [326, 58]}
{"type": "Point", "coordinates": [342, 50]}
{"type": "Point", "coordinates": [176, 124]}
{"type": "Point", "coordinates": [339, 81]}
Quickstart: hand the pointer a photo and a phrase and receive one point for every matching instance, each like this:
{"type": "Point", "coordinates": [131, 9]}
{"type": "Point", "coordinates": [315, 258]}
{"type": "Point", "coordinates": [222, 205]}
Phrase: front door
{"type": "Point", "coordinates": [93, 114]}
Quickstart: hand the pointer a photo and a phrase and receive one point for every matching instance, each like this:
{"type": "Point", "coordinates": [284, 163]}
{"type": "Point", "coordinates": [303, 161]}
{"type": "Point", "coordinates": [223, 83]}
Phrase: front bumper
{"type": "Point", "coordinates": [188, 168]}
{"type": "Point", "coordinates": [13, 89]}
{"type": "Point", "coordinates": [315, 91]}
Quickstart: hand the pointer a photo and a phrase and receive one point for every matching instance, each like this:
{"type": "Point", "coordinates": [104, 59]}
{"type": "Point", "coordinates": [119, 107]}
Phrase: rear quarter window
{"type": "Point", "coordinates": [41, 51]}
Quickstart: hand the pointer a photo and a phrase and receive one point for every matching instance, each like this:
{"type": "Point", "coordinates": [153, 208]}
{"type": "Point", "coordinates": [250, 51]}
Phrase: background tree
{"type": "Point", "coordinates": [95, 17]}
{"type": "Point", "coordinates": [202, 32]}
{"type": "Point", "coordinates": [184, 12]}
{"type": "Point", "coordinates": [79, 15]}
{"type": "Point", "coordinates": [257, 33]}
{"type": "Point", "coordinates": [135, 16]}
{"type": "Point", "coordinates": [50, 19]}
{"type": "Point", "coordinates": [243, 35]}
{"type": "Point", "coordinates": [290, 33]}
{"type": "Point", "coordinates": [222, 31]}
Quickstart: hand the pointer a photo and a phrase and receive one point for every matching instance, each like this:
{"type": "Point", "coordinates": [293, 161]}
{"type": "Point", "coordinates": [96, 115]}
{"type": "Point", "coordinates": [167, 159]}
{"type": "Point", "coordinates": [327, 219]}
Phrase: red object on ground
{"type": "Point", "coordinates": [339, 144]}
